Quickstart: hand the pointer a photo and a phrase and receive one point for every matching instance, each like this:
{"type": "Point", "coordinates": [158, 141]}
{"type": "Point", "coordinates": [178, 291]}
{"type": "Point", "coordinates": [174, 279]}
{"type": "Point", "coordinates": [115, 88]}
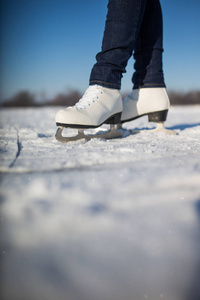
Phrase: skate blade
{"type": "Point", "coordinates": [111, 134]}
{"type": "Point", "coordinates": [160, 128]}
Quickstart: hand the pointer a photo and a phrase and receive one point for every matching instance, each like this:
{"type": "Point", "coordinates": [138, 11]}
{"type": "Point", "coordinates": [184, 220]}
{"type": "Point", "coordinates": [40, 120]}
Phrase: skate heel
{"type": "Point", "coordinates": [115, 119]}
{"type": "Point", "coordinates": [159, 116]}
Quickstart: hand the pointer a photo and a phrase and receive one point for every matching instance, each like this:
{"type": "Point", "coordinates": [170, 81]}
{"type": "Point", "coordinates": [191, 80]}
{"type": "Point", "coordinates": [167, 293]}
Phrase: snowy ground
{"type": "Point", "coordinates": [99, 220]}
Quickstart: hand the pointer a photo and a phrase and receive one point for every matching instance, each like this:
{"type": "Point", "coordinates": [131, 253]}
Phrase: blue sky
{"type": "Point", "coordinates": [49, 46]}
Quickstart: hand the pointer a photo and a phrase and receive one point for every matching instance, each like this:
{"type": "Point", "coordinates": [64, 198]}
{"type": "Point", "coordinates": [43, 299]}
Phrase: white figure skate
{"type": "Point", "coordinates": [98, 106]}
{"type": "Point", "coordinates": [153, 102]}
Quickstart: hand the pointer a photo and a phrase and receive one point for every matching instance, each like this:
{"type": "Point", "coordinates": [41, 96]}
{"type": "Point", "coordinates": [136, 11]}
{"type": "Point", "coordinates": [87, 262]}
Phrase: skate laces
{"type": "Point", "coordinates": [90, 96]}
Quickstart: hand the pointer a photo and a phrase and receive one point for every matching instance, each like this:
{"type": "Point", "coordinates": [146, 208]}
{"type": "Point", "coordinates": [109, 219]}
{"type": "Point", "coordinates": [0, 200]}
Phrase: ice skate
{"type": "Point", "coordinates": [98, 106]}
{"type": "Point", "coordinates": [153, 102]}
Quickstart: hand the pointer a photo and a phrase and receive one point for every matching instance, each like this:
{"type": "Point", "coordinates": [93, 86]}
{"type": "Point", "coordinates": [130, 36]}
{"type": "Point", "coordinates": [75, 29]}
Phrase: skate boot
{"type": "Point", "coordinates": [153, 102]}
{"type": "Point", "coordinates": [98, 106]}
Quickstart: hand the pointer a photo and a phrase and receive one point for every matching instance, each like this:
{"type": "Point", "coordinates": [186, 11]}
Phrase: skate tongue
{"type": "Point", "coordinates": [90, 96]}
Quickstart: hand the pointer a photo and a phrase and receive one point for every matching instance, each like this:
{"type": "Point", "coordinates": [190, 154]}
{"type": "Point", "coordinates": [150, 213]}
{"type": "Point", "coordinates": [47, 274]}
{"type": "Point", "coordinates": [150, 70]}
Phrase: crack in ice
{"type": "Point", "coordinates": [19, 147]}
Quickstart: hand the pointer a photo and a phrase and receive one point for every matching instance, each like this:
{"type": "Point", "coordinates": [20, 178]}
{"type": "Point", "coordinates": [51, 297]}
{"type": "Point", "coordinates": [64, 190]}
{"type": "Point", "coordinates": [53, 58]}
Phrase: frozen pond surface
{"type": "Point", "coordinates": [113, 220]}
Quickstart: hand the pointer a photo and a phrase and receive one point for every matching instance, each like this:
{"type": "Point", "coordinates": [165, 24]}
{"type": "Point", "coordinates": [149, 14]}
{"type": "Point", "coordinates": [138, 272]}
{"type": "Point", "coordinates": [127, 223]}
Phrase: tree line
{"type": "Point", "coordinates": [28, 99]}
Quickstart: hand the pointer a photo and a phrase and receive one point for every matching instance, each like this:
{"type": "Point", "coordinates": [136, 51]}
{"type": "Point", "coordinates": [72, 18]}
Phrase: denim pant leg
{"type": "Point", "coordinates": [149, 48]}
{"type": "Point", "coordinates": [122, 24]}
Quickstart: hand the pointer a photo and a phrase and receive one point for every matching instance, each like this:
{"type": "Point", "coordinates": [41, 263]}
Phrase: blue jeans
{"type": "Point", "coordinates": [133, 27]}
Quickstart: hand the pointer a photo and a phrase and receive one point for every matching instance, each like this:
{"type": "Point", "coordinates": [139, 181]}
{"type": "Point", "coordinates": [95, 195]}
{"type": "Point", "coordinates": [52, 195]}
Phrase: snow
{"type": "Point", "coordinates": [104, 219]}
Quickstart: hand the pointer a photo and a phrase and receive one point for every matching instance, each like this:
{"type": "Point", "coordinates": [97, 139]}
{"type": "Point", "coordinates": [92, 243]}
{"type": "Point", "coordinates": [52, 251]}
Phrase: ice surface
{"type": "Point", "coordinates": [104, 219]}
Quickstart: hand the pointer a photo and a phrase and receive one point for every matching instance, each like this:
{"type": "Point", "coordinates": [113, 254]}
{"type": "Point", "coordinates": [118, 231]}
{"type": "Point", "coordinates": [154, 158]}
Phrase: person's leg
{"type": "Point", "coordinates": [122, 24]}
{"type": "Point", "coordinates": [149, 48]}
{"type": "Point", "coordinates": [102, 102]}
{"type": "Point", "coordinates": [149, 96]}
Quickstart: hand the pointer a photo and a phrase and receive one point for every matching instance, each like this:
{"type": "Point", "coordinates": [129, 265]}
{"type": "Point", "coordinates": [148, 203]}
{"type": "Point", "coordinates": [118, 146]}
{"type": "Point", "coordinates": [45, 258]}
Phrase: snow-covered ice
{"type": "Point", "coordinates": [104, 219]}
